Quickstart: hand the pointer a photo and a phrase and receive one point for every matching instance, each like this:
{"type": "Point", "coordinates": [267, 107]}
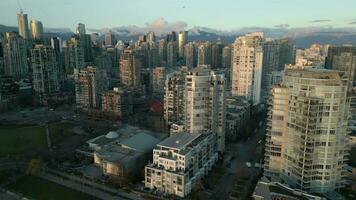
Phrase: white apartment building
{"type": "Point", "coordinates": [247, 67]}
{"type": "Point", "coordinates": [307, 130]}
{"type": "Point", "coordinates": [204, 106]}
{"type": "Point", "coordinates": [179, 162]}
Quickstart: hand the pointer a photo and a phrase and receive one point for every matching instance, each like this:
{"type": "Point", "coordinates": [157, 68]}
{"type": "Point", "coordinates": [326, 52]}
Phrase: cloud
{"type": "Point", "coordinates": [160, 26]}
{"type": "Point", "coordinates": [282, 26]}
{"type": "Point", "coordinates": [321, 20]}
{"type": "Point", "coordinates": [353, 23]}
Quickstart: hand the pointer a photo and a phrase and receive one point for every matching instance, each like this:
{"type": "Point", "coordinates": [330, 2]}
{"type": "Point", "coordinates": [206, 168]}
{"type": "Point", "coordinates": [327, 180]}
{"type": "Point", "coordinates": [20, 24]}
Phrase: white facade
{"type": "Point", "coordinates": [306, 143]}
{"type": "Point", "coordinates": [179, 162]}
{"type": "Point", "coordinates": [247, 67]}
{"type": "Point", "coordinates": [204, 105]}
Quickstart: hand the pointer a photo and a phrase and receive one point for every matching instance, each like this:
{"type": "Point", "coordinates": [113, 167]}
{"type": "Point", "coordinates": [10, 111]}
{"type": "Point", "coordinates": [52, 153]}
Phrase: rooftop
{"type": "Point", "coordinates": [179, 141]}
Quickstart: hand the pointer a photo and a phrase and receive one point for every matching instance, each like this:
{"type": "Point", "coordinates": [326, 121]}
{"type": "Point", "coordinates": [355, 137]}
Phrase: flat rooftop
{"type": "Point", "coordinates": [179, 141]}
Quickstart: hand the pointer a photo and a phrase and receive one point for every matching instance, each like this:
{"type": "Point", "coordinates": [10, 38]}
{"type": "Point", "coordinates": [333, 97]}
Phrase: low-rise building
{"type": "Point", "coordinates": [122, 154]}
{"type": "Point", "coordinates": [180, 161]}
{"type": "Point", "coordinates": [238, 112]}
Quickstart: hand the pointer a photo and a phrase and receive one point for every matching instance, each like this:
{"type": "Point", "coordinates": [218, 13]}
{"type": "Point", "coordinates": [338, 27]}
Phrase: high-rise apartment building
{"type": "Point", "coordinates": [216, 55]}
{"type": "Point", "coordinates": [204, 54]}
{"type": "Point", "coordinates": [90, 83]}
{"type": "Point", "coordinates": [80, 29]}
{"type": "Point", "coordinates": [204, 103]}
{"type": "Point", "coordinates": [162, 52]}
{"type": "Point", "coordinates": [247, 67]}
{"type": "Point", "coordinates": [45, 70]}
{"type": "Point", "coordinates": [158, 80]}
{"type": "Point", "coordinates": [190, 55]}
{"type": "Point", "coordinates": [15, 55]}
{"type": "Point", "coordinates": [109, 39]}
{"type": "Point", "coordinates": [151, 37]}
{"type": "Point", "coordinates": [130, 66]}
{"type": "Point", "coordinates": [23, 25]}
{"type": "Point", "coordinates": [182, 40]}
{"type": "Point", "coordinates": [226, 59]}
{"type": "Point", "coordinates": [343, 58]}
{"type": "Point", "coordinates": [36, 29]}
{"type": "Point", "coordinates": [174, 97]}
{"type": "Point", "coordinates": [172, 54]}
{"type": "Point", "coordinates": [306, 143]}
{"type": "Point", "coordinates": [118, 101]}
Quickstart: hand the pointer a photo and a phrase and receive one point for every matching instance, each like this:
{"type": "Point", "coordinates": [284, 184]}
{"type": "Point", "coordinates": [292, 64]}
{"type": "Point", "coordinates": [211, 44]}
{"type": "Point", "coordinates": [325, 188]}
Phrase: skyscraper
{"type": "Point", "coordinates": [226, 57]}
{"type": "Point", "coordinates": [109, 39]}
{"type": "Point", "coordinates": [89, 86]}
{"type": "Point", "coordinates": [45, 70]}
{"type": "Point", "coordinates": [204, 54]}
{"type": "Point", "coordinates": [15, 55]}
{"type": "Point", "coordinates": [150, 37]}
{"type": "Point", "coordinates": [174, 97]}
{"type": "Point", "coordinates": [306, 143]}
{"type": "Point", "coordinates": [182, 40]}
{"type": "Point", "coordinates": [162, 52]}
{"type": "Point", "coordinates": [216, 55]}
{"type": "Point", "coordinates": [247, 67]}
{"type": "Point", "coordinates": [23, 25]}
{"type": "Point", "coordinates": [36, 29]}
{"type": "Point", "coordinates": [343, 58]}
{"type": "Point", "coordinates": [276, 54]}
{"type": "Point", "coordinates": [191, 55]}
{"type": "Point", "coordinates": [80, 29]}
{"type": "Point", "coordinates": [171, 54]}
{"type": "Point", "coordinates": [130, 67]}
{"type": "Point", "coordinates": [204, 103]}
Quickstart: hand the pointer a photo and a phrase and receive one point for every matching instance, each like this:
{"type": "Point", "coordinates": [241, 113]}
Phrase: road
{"type": "Point", "coordinates": [243, 151]}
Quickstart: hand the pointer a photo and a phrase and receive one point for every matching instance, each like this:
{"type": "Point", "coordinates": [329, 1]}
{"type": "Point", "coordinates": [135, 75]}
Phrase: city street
{"type": "Point", "coordinates": [243, 151]}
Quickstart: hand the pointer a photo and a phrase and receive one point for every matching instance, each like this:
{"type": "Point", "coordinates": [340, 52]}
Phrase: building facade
{"type": "Point", "coordinates": [306, 143]}
{"type": "Point", "coordinates": [36, 29]}
{"type": "Point", "coordinates": [118, 101]}
{"type": "Point", "coordinates": [247, 67]}
{"type": "Point", "coordinates": [89, 85]}
{"type": "Point", "coordinates": [204, 103]}
{"type": "Point", "coordinates": [130, 66]}
{"type": "Point", "coordinates": [179, 162]}
{"type": "Point", "coordinates": [15, 55]}
{"type": "Point", "coordinates": [45, 70]}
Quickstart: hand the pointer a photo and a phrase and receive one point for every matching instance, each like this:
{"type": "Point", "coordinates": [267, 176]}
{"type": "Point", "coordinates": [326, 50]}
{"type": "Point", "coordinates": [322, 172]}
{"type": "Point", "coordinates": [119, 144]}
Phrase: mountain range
{"type": "Point", "coordinates": [302, 37]}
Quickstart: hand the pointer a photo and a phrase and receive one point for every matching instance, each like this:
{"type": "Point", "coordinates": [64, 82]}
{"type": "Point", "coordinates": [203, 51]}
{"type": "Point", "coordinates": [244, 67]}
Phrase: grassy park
{"type": "Point", "coordinates": [38, 188]}
{"type": "Point", "coordinates": [19, 139]}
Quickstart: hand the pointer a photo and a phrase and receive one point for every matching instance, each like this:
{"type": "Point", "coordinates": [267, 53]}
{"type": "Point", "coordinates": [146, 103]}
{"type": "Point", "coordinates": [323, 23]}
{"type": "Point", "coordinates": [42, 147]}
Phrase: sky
{"type": "Point", "coordinates": [216, 14]}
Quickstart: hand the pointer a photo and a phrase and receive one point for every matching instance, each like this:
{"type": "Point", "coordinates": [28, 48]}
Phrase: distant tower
{"type": "Point", "coordinates": [182, 40]}
{"type": "Point", "coordinates": [130, 67]}
{"type": "Point", "coordinates": [109, 39]}
{"type": "Point", "coordinates": [190, 55]}
{"type": "Point", "coordinates": [23, 25]}
{"type": "Point", "coordinates": [45, 70]}
{"type": "Point", "coordinates": [150, 37]}
{"type": "Point", "coordinates": [36, 29]}
{"type": "Point", "coordinates": [81, 29]}
{"type": "Point", "coordinates": [15, 55]}
{"type": "Point", "coordinates": [171, 54]}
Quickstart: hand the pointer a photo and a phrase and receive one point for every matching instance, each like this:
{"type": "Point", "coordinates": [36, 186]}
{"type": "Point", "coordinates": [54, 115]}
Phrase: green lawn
{"type": "Point", "coordinates": [41, 189]}
{"type": "Point", "coordinates": [15, 140]}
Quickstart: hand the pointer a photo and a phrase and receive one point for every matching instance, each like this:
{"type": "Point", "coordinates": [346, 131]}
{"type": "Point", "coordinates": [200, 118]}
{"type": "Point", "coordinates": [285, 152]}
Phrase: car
{"type": "Point", "coordinates": [248, 164]}
{"type": "Point", "coordinates": [258, 165]}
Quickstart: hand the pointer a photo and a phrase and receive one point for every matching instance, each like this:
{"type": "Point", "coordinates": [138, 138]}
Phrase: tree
{"type": "Point", "coordinates": [34, 166]}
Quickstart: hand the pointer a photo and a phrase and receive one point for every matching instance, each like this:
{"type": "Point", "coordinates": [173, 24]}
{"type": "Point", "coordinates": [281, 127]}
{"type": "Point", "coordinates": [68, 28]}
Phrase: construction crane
{"type": "Point", "coordinates": [18, 3]}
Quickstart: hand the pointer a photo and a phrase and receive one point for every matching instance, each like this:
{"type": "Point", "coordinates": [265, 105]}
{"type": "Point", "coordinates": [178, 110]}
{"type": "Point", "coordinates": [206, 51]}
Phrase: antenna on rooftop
{"type": "Point", "coordinates": [18, 3]}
